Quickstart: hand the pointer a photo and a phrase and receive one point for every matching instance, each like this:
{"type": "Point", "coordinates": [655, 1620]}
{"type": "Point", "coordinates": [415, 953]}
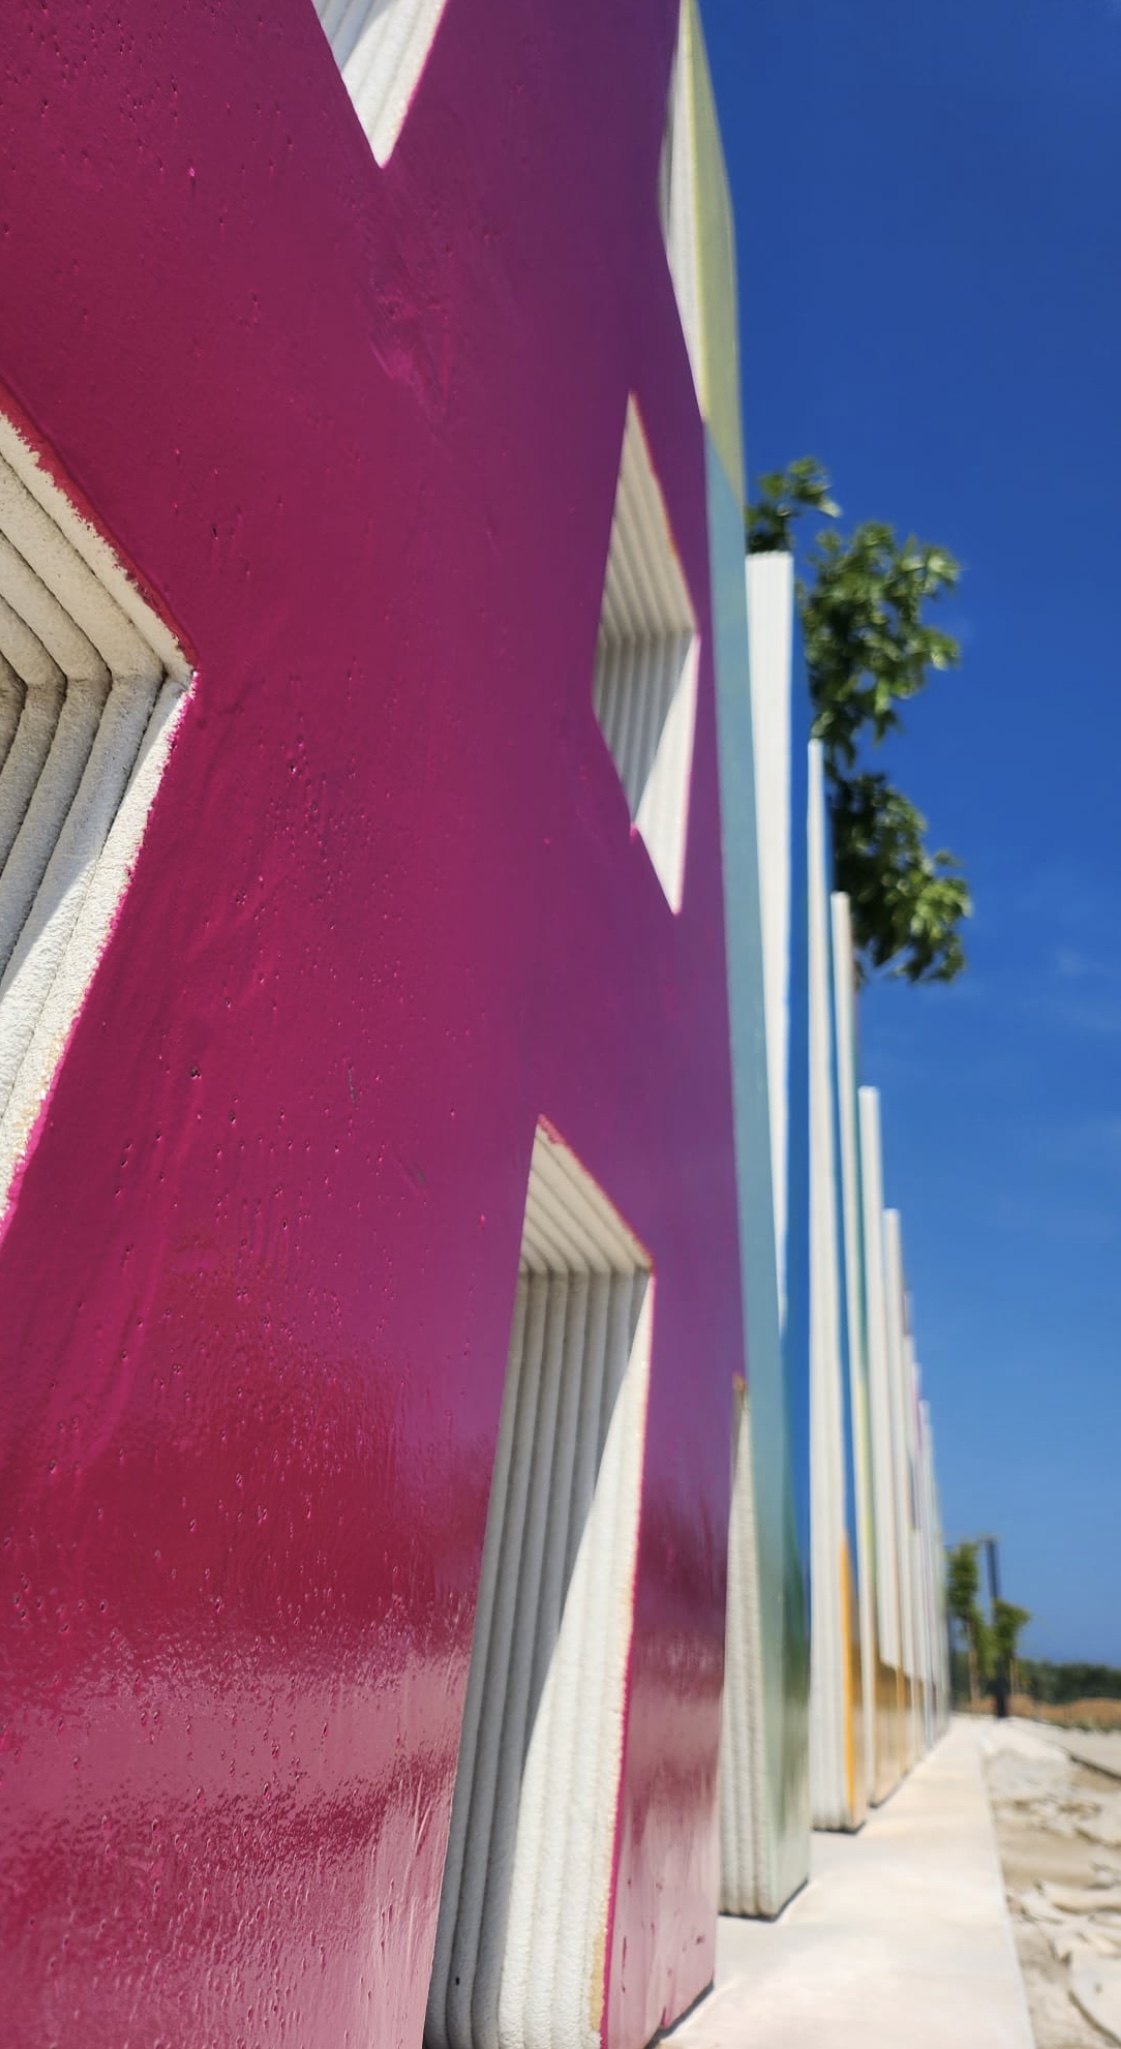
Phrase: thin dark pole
{"type": "Point", "coordinates": [994, 1573]}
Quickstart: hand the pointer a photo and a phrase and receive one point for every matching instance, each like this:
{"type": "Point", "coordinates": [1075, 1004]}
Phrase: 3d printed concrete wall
{"type": "Point", "coordinates": [876, 1530]}
{"type": "Point", "coordinates": [406, 1072]}
{"type": "Point", "coordinates": [348, 420]}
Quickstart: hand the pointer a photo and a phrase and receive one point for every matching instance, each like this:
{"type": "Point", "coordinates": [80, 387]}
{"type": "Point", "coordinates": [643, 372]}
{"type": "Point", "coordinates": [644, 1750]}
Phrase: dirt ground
{"type": "Point", "coordinates": [1078, 1714]}
{"type": "Point", "coordinates": [1058, 1826]}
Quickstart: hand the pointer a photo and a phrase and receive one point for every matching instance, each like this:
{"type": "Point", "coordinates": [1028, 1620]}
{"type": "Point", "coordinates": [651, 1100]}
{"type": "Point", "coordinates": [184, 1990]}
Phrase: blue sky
{"type": "Point", "coordinates": [929, 222]}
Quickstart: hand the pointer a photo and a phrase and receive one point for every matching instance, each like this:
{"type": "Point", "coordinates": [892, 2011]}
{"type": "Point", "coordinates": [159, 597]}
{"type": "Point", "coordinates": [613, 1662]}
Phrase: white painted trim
{"type": "Point", "coordinates": [95, 682]}
{"type": "Point", "coordinates": [525, 1907]}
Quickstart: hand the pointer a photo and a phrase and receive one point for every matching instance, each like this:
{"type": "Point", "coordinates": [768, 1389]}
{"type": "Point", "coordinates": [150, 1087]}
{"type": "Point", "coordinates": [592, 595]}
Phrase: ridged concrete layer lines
{"type": "Point", "coordinates": [90, 685]}
{"type": "Point", "coordinates": [381, 47]}
{"type": "Point", "coordinates": [645, 688]}
{"type": "Point", "coordinates": [525, 1907]}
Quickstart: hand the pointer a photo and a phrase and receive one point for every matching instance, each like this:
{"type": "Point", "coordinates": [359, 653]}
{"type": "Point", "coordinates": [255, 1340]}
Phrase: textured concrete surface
{"type": "Point", "coordinates": [1099, 1748]}
{"type": "Point", "coordinates": [901, 1937]}
{"type": "Point", "coordinates": [1058, 1831]}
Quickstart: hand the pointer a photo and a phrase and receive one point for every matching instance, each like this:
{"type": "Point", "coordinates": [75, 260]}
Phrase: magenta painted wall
{"type": "Point", "coordinates": [358, 431]}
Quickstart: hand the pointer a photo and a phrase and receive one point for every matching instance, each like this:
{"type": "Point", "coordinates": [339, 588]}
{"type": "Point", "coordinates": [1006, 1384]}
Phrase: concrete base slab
{"type": "Point", "coordinates": [901, 1940]}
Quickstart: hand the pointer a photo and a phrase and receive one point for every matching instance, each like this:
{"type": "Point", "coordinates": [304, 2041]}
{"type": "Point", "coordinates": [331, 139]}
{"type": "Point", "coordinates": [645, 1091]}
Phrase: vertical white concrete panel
{"type": "Point", "coordinates": [770, 623]}
{"type": "Point", "coordinates": [829, 1688]}
{"type": "Point", "coordinates": [645, 685]}
{"type": "Point", "coordinates": [744, 1885]}
{"type": "Point", "coordinates": [764, 1791]}
{"type": "Point", "coordinates": [879, 1385]}
{"type": "Point", "coordinates": [677, 198]}
{"type": "Point", "coordinates": [925, 1569]}
{"type": "Point", "coordinates": [895, 1299]}
{"type": "Point", "coordinates": [93, 683]}
{"type": "Point", "coordinates": [844, 1011]}
{"type": "Point", "coordinates": [938, 1578]}
{"type": "Point", "coordinates": [933, 1574]}
{"type": "Point", "coordinates": [381, 47]}
{"type": "Point", "coordinates": [525, 1906]}
{"type": "Point", "coordinates": [765, 1807]}
{"type": "Point", "coordinates": [920, 1633]}
{"type": "Point", "coordinates": [696, 214]}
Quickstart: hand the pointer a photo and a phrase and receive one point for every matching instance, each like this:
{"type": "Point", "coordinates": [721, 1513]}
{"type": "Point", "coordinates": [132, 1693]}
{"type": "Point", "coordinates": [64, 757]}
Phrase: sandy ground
{"type": "Point", "coordinates": [1058, 1825]}
{"type": "Point", "coordinates": [1088, 1714]}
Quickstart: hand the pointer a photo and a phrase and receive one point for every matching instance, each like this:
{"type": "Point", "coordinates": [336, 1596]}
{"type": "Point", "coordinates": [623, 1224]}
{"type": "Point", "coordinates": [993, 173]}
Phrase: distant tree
{"type": "Point", "coordinates": [963, 1581]}
{"type": "Point", "coordinates": [984, 1650]}
{"type": "Point", "coordinates": [1059, 1685]}
{"type": "Point", "coordinates": [1009, 1623]}
{"type": "Point", "coordinates": [869, 649]}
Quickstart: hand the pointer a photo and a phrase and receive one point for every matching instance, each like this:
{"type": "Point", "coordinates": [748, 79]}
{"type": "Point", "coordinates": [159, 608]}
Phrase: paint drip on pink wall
{"type": "Point", "coordinates": [358, 430]}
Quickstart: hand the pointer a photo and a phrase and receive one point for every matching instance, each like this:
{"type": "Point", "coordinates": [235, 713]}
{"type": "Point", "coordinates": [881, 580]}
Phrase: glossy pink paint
{"type": "Point", "coordinates": [358, 430]}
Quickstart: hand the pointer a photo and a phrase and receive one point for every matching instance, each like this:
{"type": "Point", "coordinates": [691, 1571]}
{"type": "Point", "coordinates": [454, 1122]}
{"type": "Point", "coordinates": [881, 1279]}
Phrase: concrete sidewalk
{"type": "Point", "coordinates": [901, 1940]}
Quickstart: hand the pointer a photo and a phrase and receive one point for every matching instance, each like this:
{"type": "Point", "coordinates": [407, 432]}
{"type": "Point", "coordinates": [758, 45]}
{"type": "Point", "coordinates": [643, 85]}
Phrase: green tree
{"type": "Point", "coordinates": [1009, 1623]}
{"type": "Point", "coordinates": [984, 1650]}
{"type": "Point", "coordinates": [963, 1580]}
{"type": "Point", "coordinates": [868, 650]}
{"type": "Point", "coordinates": [1059, 1685]}
{"type": "Point", "coordinates": [907, 904]}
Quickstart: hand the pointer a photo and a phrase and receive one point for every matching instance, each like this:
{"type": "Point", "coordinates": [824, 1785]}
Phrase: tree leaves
{"type": "Point", "coordinates": [868, 650]}
{"type": "Point", "coordinates": [867, 646]}
{"type": "Point", "coordinates": [785, 495]}
{"type": "Point", "coordinates": [907, 904]}
{"type": "Point", "coordinates": [1008, 1623]}
{"type": "Point", "coordinates": [963, 1583]}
